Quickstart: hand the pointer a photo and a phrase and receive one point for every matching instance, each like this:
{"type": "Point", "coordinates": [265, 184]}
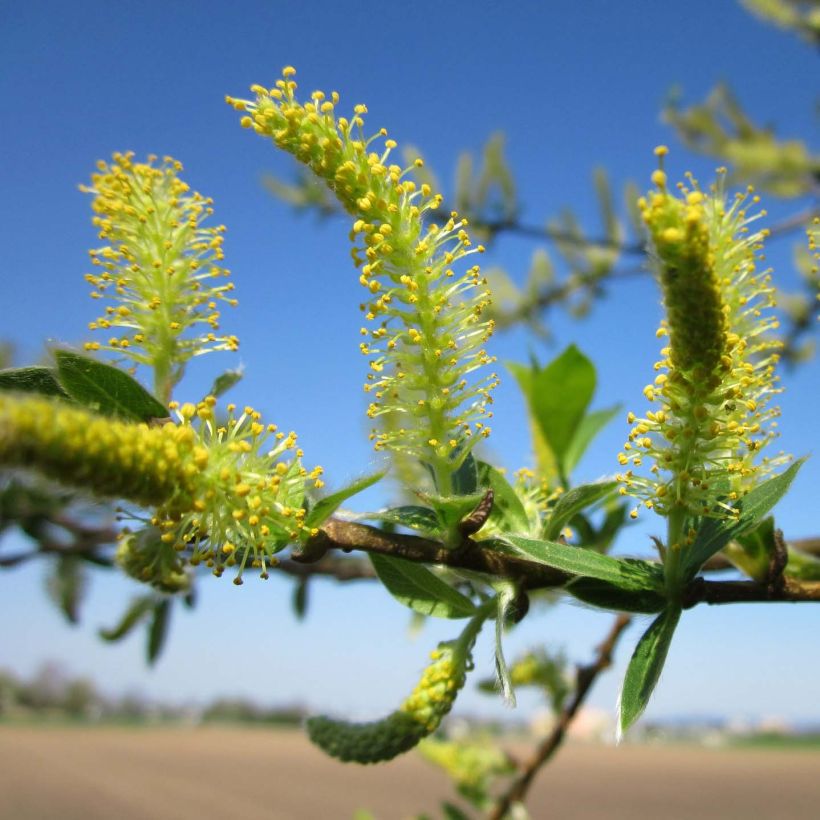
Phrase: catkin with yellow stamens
{"type": "Point", "coordinates": [716, 378]}
{"type": "Point", "coordinates": [161, 267]}
{"type": "Point", "coordinates": [427, 331]}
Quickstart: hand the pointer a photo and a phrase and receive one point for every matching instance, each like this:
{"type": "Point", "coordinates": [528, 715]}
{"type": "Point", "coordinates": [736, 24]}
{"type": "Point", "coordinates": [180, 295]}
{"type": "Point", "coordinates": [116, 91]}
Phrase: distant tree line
{"type": "Point", "coordinates": [52, 694]}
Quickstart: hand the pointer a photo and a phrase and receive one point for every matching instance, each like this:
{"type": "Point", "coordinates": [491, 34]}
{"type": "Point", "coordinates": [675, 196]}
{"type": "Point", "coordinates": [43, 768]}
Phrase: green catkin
{"type": "Point", "coordinates": [224, 494]}
{"type": "Point", "coordinates": [161, 267]}
{"type": "Point", "coordinates": [427, 330]}
{"type": "Point", "coordinates": [419, 716]}
{"type": "Point", "coordinates": [716, 378]}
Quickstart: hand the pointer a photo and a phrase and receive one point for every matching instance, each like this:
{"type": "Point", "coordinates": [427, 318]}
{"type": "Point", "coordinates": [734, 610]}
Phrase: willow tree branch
{"type": "Point", "coordinates": [788, 590]}
{"type": "Point", "coordinates": [349, 535]}
{"type": "Point", "coordinates": [586, 677]}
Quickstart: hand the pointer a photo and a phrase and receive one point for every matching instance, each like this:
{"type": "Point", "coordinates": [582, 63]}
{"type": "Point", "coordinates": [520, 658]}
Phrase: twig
{"type": "Point", "coordinates": [587, 675]}
{"type": "Point", "coordinates": [701, 591]}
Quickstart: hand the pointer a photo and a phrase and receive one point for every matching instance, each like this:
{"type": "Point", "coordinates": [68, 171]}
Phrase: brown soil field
{"type": "Point", "coordinates": [244, 774]}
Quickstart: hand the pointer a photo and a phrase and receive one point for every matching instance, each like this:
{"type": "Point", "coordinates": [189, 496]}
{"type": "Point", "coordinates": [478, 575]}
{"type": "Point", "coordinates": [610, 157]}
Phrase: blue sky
{"type": "Point", "coordinates": [573, 86]}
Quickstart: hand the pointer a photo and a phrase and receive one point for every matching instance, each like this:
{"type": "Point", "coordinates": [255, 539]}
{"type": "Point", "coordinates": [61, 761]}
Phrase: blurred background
{"type": "Point", "coordinates": [540, 96]}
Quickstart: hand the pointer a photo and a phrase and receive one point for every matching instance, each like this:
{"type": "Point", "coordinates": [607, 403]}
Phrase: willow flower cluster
{"type": "Point", "coordinates": [158, 267]}
{"type": "Point", "coordinates": [716, 378]}
{"type": "Point", "coordinates": [427, 332]}
{"type": "Point", "coordinates": [225, 494]}
{"type": "Point", "coordinates": [419, 715]}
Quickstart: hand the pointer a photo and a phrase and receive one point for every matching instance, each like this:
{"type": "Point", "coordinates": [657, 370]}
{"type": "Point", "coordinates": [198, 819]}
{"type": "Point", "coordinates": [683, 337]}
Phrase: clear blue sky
{"type": "Point", "coordinates": [573, 86]}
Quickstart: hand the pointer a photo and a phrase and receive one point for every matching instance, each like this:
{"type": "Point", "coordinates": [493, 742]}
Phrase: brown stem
{"type": "Point", "coordinates": [349, 535]}
{"type": "Point", "coordinates": [586, 677]}
{"type": "Point", "coordinates": [701, 591]}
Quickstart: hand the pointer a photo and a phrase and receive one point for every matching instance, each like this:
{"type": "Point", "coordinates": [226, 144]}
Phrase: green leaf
{"type": "Point", "coordinates": [505, 598]}
{"type": "Point", "coordinates": [574, 501]}
{"type": "Point", "coordinates": [508, 512]}
{"type": "Point", "coordinates": [629, 574]}
{"type": "Point", "coordinates": [453, 812]}
{"type": "Point", "coordinates": [328, 505]}
{"type": "Point", "coordinates": [752, 551]}
{"type": "Point", "coordinates": [140, 607]}
{"type": "Point", "coordinates": [225, 381]}
{"type": "Point", "coordinates": [465, 478]}
{"type": "Point", "coordinates": [802, 565]}
{"type": "Point", "coordinates": [714, 534]}
{"type": "Point", "coordinates": [66, 585]}
{"type": "Point", "coordinates": [300, 599]}
{"type": "Point", "coordinates": [414, 517]}
{"type": "Point", "coordinates": [589, 427]}
{"type": "Point", "coordinates": [417, 587]}
{"type": "Point", "coordinates": [559, 397]}
{"type": "Point", "coordinates": [451, 509]}
{"type": "Point", "coordinates": [40, 380]}
{"type": "Point", "coordinates": [106, 389]}
{"type": "Point", "coordinates": [158, 631]}
{"type": "Point", "coordinates": [645, 667]}
{"type": "Point", "coordinates": [606, 596]}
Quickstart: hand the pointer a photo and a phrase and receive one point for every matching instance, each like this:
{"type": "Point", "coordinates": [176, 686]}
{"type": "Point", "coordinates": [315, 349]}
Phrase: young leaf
{"type": "Point", "coordinates": [465, 478]}
{"type": "Point", "coordinates": [645, 667]}
{"type": "Point", "coordinates": [752, 551]}
{"type": "Point", "coordinates": [508, 512]}
{"type": "Point", "coordinates": [714, 534]}
{"type": "Point", "coordinates": [450, 510]}
{"type": "Point", "coordinates": [158, 631]}
{"type": "Point", "coordinates": [140, 607]}
{"type": "Point", "coordinates": [300, 599]}
{"type": "Point", "coordinates": [416, 587]}
{"type": "Point", "coordinates": [506, 596]}
{"type": "Point", "coordinates": [106, 389]}
{"type": "Point", "coordinates": [559, 397]}
{"type": "Point", "coordinates": [628, 574]}
{"type": "Point", "coordinates": [328, 505]}
{"type": "Point", "coordinates": [66, 584]}
{"type": "Point", "coordinates": [412, 516]}
{"type": "Point", "coordinates": [32, 380]}
{"type": "Point", "coordinates": [225, 381]}
{"type": "Point", "coordinates": [589, 427]}
{"type": "Point", "coordinates": [606, 596]}
{"type": "Point", "coordinates": [574, 501]}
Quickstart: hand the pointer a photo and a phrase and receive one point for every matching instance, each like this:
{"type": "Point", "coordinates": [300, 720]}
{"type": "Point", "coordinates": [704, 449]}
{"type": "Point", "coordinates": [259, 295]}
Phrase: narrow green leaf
{"type": "Point", "coordinates": [559, 395]}
{"type": "Point", "coordinates": [40, 380]}
{"type": "Point", "coordinates": [158, 631]}
{"type": "Point", "coordinates": [606, 596]}
{"type": "Point", "coordinates": [465, 478]}
{"type": "Point", "coordinates": [300, 599]}
{"type": "Point", "coordinates": [574, 501]}
{"type": "Point", "coordinates": [106, 389]}
{"type": "Point", "coordinates": [752, 551]}
{"type": "Point", "coordinates": [451, 509]}
{"type": "Point", "coordinates": [66, 585]}
{"type": "Point", "coordinates": [802, 565]}
{"type": "Point", "coordinates": [645, 667]}
{"type": "Point", "coordinates": [714, 534]}
{"type": "Point", "coordinates": [625, 573]}
{"type": "Point", "coordinates": [505, 597]}
{"type": "Point", "coordinates": [508, 512]}
{"type": "Point", "coordinates": [136, 612]}
{"type": "Point", "coordinates": [589, 427]}
{"type": "Point", "coordinates": [414, 517]}
{"type": "Point", "coordinates": [225, 381]}
{"type": "Point", "coordinates": [453, 812]}
{"type": "Point", "coordinates": [328, 505]}
{"type": "Point", "coordinates": [417, 587]}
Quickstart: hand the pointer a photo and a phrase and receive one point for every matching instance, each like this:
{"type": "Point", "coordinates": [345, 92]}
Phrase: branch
{"type": "Point", "coordinates": [701, 591]}
{"type": "Point", "coordinates": [348, 536]}
{"type": "Point", "coordinates": [586, 677]}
